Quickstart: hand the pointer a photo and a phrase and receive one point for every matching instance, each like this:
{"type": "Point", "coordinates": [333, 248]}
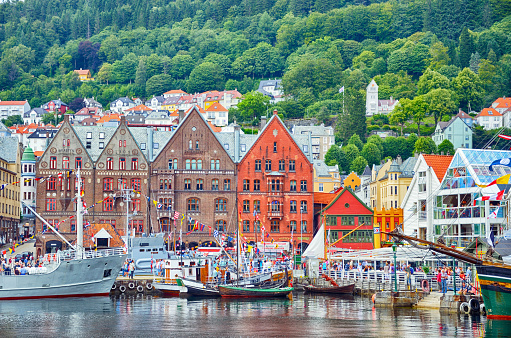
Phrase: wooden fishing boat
{"type": "Point", "coordinates": [338, 290]}
{"type": "Point", "coordinates": [253, 292]}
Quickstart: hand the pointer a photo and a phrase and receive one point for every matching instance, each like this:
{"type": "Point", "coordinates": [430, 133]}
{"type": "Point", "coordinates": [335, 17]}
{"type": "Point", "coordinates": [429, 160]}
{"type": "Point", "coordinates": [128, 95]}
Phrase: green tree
{"type": "Point", "coordinates": [425, 145]}
{"type": "Point", "coordinates": [446, 147]}
{"type": "Point", "coordinates": [418, 108]}
{"type": "Point", "coordinates": [440, 102]}
{"type": "Point", "coordinates": [12, 120]}
{"type": "Point", "coordinates": [253, 106]}
{"type": "Point", "coordinates": [401, 113]}
{"type": "Point", "coordinates": [141, 77]}
{"type": "Point", "coordinates": [469, 89]}
{"type": "Point", "coordinates": [52, 118]}
{"type": "Point", "coordinates": [105, 73]}
{"type": "Point", "coordinates": [371, 153]}
{"type": "Point", "coordinates": [364, 60]}
{"type": "Point", "coordinates": [334, 156]}
{"type": "Point", "coordinates": [181, 66]}
{"type": "Point", "coordinates": [466, 47]}
{"type": "Point", "coordinates": [351, 151]}
{"type": "Point", "coordinates": [355, 140]}
{"type": "Point", "coordinates": [109, 50]}
{"type": "Point", "coordinates": [124, 70]}
{"type": "Point", "coordinates": [439, 56]}
{"type": "Point", "coordinates": [474, 62]}
{"type": "Point", "coordinates": [358, 165]}
{"type": "Point", "coordinates": [376, 140]}
{"type": "Point", "coordinates": [353, 121]}
{"type": "Point", "coordinates": [158, 84]}
{"type": "Point", "coordinates": [206, 76]}
{"type": "Point", "coordinates": [431, 80]}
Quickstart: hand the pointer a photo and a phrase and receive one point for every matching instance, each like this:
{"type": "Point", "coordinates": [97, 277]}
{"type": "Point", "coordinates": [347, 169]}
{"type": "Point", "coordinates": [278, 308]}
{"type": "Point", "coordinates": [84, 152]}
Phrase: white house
{"type": "Point", "coordinates": [11, 108]}
{"type": "Point", "coordinates": [374, 105]}
{"type": "Point", "coordinates": [33, 116]}
{"type": "Point", "coordinates": [456, 131]}
{"type": "Point", "coordinates": [489, 118]}
{"type": "Point", "coordinates": [418, 203]}
{"type": "Point", "coordinates": [122, 104]}
{"type": "Point", "coordinates": [273, 89]}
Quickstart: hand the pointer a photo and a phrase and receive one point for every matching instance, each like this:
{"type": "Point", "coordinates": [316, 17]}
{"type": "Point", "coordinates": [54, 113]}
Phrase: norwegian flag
{"type": "Point", "coordinates": [176, 215]}
{"type": "Point", "coordinates": [495, 197]}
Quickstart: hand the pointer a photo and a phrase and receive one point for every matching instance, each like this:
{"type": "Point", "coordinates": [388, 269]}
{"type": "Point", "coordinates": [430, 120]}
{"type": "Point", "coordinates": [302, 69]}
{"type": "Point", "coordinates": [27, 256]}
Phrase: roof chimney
{"type": "Point", "coordinates": [181, 114]}
{"type": "Point", "coordinates": [66, 118]}
{"type": "Point", "coordinates": [275, 112]}
{"type": "Point", "coordinates": [263, 122]}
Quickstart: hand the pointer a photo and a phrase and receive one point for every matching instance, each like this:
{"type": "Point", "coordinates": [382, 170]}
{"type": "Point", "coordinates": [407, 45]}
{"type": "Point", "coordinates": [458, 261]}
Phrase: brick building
{"type": "Point", "coordinates": [275, 183]}
{"type": "Point", "coordinates": [195, 175]}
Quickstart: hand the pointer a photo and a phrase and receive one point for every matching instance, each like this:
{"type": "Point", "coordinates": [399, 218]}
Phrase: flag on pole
{"type": "Point", "coordinates": [495, 197]}
{"type": "Point", "coordinates": [501, 180]}
{"type": "Point", "coordinates": [159, 206]}
{"type": "Point", "coordinates": [491, 239]}
{"type": "Point", "coordinates": [215, 233]}
{"type": "Point", "coordinates": [494, 213]}
{"type": "Point", "coordinates": [505, 137]}
{"type": "Point", "coordinates": [176, 215]}
{"type": "Point", "coordinates": [341, 90]}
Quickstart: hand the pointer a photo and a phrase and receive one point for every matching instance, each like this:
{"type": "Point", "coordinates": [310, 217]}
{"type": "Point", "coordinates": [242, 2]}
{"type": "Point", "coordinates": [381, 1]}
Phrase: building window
{"type": "Point", "coordinates": [110, 163]}
{"type": "Point", "coordinates": [275, 226]}
{"type": "Point", "coordinates": [82, 179]}
{"type": "Point", "coordinates": [65, 162]}
{"type": "Point", "coordinates": [122, 183]}
{"type": "Point", "coordinates": [134, 163]}
{"type": "Point", "coordinates": [135, 204]}
{"type": "Point", "coordinates": [170, 164]}
{"type": "Point", "coordinates": [200, 184]}
{"type": "Point", "coordinates": [214, 184]}
{"type": "Point", "coordinates": [51, 204]}
{"type": "Point", "coordinates": [304, 226]}
{"type": "Point", "coordinates": [347, 220]}
{"type": "Point", "coordinates": [190, 144]}
{"type": "Point", "coordinates": [292, 206]}
{"type": "Point", "coordinates": [221, 204]}
{"type": "Point", "coordinates": [197, 144]}
{"type": "Point", "coordinates": [292, 165]}
{"type": "Point", "coordinates": [246, 226]}
{"type": "Point", "coordinates": [199, 164]}
{"type": "Point", "coordinates": [275, 185]}
{"type": "Point", "coordinates": [257, 165]}
{"type": "Point", "coordinates": [321, 187]}
{"type": "Point", "coordinates": [51, 183]}
{"type": "Point", "coordinates": [136, 184]}
{"type": "Point", "coordinates": [215, 164]}
{"type": "Point", "coordinates": [292, 225]}
{"type": "Point", "coordinates": [268, 165]}
{"type": "Point", "coordinates": [257, 185]}
{"type": "Point", "coordinates": [89, 135]}
{"type": "Point", "coordinates": [101, 145]}
{"type": "Point", "coordinates": [108, 184]}
{"type": "Point", "coordinates": [122, 163]}
{"type": "Point", "coordinates": [78, 163]}
{"type": "Point", "coordinates": [192, 204]}
{"type": "Point", "coordinates": [274, 147]}
{"type": "Point", "coordinates": [73, 226]}
{"type": "Point", "coordinates": [227, 185]}
{"type": "Point", "coordinates": [246, 185]}
{"type": "Point", "coordinates": [188, 184]}
{"type": "Point", "coordinates": [257, 206]}
{"type": "Point", "coordinates": [108, 205]}
{"type": "Point", "coordinates": [257, 225]}
{"type": "Point", "coordinates": [188, 164]}
{"type": "Point", "coordinates": [246, 206]}
{"type": "Point", "coordinates": [303, 186]}
{"type": "Point", "coordinates": [303, 206]}
{"type": "Point", "coordinates": [53, 162]}
{"type": "Point", "coordinates": [221, 225]}
{"type": "Point", "coordinates": [101, 135]}
{"type": "Point", "coordinates": [282, 165]}
{"type": "Point", "coordinates": [174, 164]}
{"type": "Point", "coordinates": [292, 185]}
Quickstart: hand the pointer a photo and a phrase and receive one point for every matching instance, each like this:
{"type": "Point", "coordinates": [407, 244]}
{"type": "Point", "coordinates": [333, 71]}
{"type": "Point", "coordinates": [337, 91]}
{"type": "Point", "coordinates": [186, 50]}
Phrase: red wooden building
{"type": "Point", "coordinates": [275, 185]}
{"type": "Point", "coordinates": [344, 214]}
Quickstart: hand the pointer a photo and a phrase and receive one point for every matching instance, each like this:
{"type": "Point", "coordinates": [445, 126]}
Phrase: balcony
{"type": "Point", "coordinates": [275, 214]}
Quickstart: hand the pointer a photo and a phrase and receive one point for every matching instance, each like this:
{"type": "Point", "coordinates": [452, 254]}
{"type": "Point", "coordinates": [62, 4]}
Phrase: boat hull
{"type": "Point", "coordinates": [72, 278]}
{"type": "Point", "coordinates": [338, 290]}
{"type": "Point", "coordinates": [495, 284]}
{"type": "Point", "coordinates": [240, 292]}
{"type": "Point", "coordinates": [170, 289]}
{"type": "Point", "coordinates": [197, 288]}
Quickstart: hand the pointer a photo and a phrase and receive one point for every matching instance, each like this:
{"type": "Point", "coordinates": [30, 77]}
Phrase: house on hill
{"type": "Point", "coordinates": [490, 118]}
{"type": "Point", "coordinates": [457, 131]}
{"type": "Point", "coordinates": [84, 75]}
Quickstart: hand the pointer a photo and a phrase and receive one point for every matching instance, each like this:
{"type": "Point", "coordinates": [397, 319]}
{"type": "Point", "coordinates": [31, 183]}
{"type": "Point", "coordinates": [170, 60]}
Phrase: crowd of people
{"type": "Point", "coordinates": [26, 266]}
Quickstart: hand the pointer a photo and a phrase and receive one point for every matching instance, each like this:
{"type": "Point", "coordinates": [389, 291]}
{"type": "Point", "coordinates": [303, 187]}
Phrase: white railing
{"type": "Point", "coordinates": [71, 254]}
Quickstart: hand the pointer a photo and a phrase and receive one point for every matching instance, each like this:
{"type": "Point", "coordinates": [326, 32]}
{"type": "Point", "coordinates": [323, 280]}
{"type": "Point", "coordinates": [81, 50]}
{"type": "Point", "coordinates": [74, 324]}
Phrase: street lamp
{"type": "Point", "coordinates": [394, 248]}
{"type": "Point", "coordinates": [301, 232]}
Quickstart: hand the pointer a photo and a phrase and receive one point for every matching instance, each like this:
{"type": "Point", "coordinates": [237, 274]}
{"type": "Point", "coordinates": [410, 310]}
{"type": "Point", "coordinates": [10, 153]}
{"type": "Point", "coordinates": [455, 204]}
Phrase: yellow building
{"type": "Point", "coordinates": [390, 182]}
{"type": "Point", "coordinates": [84, 75]}
{"type": "Point", "coordinates": [352, 181]}
{"type": "Point", "coordinates": [326, 178]}
{"type": "Point", "coordinates": [385, 221]}
{"type": "Point", "coordinates": [10, 173]}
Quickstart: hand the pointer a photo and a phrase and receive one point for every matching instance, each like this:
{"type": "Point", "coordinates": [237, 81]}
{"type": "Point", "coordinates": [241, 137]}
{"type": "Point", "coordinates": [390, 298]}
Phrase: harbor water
{"type": "Point", "coordinates": [164, 317]}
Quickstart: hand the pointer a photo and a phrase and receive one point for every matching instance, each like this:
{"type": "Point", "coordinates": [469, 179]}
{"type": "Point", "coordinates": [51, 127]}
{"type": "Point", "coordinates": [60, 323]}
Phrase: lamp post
{"type": "Point", "coordinates": [394, 248]}
{"type": "Point", "coordinates": [301, 233]}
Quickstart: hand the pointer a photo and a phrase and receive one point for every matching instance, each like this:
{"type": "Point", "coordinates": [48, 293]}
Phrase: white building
{"type": "Point", "coordinates": [122, 104]}
{"type": "Point", "coordinates": [418, 203]}
{"type": "Point", "coordinates": [273, 89]}
{"type": "Point", "coordinates": [322, 138]}
{"type": "Point", "coordinates": [11, 108]}
{"type": "Point", "coordinates": [374, 105]}
{"type": "Point", "coordinates": [28, 191]}
{"type": "Point", "coordinates": [489, 118]}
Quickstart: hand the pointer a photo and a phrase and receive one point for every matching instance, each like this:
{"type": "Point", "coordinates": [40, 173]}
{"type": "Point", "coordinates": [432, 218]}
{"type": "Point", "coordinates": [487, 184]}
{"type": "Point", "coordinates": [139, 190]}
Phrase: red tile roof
{"type": "Point", "coordinates": [140, 107]}
{"type": "Point", "coordinates": [323, 197]}
{"type": "Point", "coordinates": [488, 112]}
{"type": "Point", "coordinates": [216, 107]}
{"type": "Point", "coordinates": [439, 163]}
{"type": "Point", "coordinates": [115, 242]}
{"type": "Point", "coordinates": [502, 102]}
{"type": "Point", "coordinates": [38, 153]}
{"type": "Point", "coordinates": [82, 71]}
{"type": "Point", "coordinates": [214, 128]}
{"type": "Point", "coordinates": [12, 103]}
{"type": "Point", "coordinates": [176, 91]}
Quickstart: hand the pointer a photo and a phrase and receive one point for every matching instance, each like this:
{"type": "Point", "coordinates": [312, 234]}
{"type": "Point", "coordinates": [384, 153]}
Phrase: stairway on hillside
{"type": "Point", "coordinates": [431, 301]}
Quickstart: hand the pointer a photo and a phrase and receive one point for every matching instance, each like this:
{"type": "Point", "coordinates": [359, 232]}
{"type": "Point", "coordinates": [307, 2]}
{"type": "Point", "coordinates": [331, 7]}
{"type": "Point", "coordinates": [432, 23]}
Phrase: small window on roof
{"type": "Point", "coordinates": [156, 145]}
{"type": "Point", "coordinates": [243, 147]}
{"type": "Point", "coordinates": [101, 145]}
{"type": "Point", "coordinates": [89, 135]}
{"type": "Point", "coordinates": [226, 146]}
{"type": "Point", "coordinates": [101, 135]}
{"type": "Point", "coordinates": [490, 113]}
{"type": "Point", "coordinates": [88, 145]}
{"type": "Point", "coordinates": [142, 146]}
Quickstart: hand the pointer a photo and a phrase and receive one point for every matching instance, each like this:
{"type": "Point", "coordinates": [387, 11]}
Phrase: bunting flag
{"type": "Point", "coordinates": [159, 206]}
{"type": "Point", "coordinates": [505, 137]}
{"type": "Point", "coordinates": [503, 161]}
{"type": "Point", "coordinates": [87, 224]}
{"type": "Point", "coordinates": [495, 197]}
{"type": "Point", "coordinates": [494, 214]}
{"type": "Point", "coordinates": [501, 180]}
{"type": "Point", "coordinates": [215, 233]}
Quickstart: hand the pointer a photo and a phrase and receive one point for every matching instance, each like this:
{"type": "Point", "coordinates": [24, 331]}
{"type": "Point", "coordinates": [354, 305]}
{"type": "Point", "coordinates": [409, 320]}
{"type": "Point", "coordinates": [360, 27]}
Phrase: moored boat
{"type": "Point", "coordinates": [198, 288]}
{"type": "Point", "coordinates": [339, 290]}
{"type": "Point", "coordinates": [253, 292]}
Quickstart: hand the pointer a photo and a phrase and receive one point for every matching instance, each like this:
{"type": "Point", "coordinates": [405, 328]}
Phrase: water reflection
{"type": "Point", "coordinates": [305, 315]}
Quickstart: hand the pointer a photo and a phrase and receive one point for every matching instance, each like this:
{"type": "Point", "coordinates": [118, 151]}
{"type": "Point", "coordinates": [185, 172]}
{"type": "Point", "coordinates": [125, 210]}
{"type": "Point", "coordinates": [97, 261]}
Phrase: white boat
{"type": "Point", "coordinates": [70, 273]}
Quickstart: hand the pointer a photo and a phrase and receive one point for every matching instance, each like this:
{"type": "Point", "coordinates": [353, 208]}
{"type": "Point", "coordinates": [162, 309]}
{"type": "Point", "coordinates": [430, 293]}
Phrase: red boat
{"type": "Point", "coordinates": [340, 290]}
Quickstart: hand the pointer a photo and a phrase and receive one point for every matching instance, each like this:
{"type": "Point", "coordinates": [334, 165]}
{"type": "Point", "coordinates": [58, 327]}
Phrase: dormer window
{"type": "Point", "coordinates": [89, 135]}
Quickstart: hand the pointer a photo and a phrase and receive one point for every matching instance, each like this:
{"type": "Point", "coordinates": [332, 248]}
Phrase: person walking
{"type": "Point", "coordinates": [445, 276]}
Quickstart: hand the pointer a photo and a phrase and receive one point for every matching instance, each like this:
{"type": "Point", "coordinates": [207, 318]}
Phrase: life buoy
{"type": "Point", "coordinates": [475, 306]}
{"type": "Point", "coordinates": [482, 308]}
{"type": "Point", "coordinates": [373, 298]}
{"type": "Point", "coordinates": [425, 285]}
{"type": "Point", "coordinates": [465, 308]}
{"type": "Point", "coordinates": [149, 286]}
{"type": "Point", "coordinates": [122, 288]}
{"type": "Point", "coordinates": [114, 286]}
{"type": "Point", "coordinates": [131, 285]}
{"type": "Point", "coordinates": [140, 288]}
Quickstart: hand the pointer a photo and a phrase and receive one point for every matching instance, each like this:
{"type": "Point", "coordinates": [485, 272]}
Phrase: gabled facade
{"type": "Point", "coordinates": [55, 106]}
{"type": "Point", "coordinates": [84, 75]}
{"type": "Point", "coordinates": [456, 131]}
{"type": "Point", "coordinates": [121, 105]}
{"type": "Point", "coordinates": [217, 114]}
{"type": "Point", "coordinates": [194, 175]}
{"type": "Point", "coordinates": [489, 118]}
{"type": "Point", "coordinates": [28, 190]}
{"type": "Point", "coordinates": [275, 187]}
{"type": "Point", "coordinates": [326, 178]}
{"type": "Point", "coordinates": [10, 157]}
{"type": "Point", "coordinates": [372, 98]}
{"type": "Point", "coordinates": [344, 214]}
{"type": "Point", "coordinates": [417, 205]}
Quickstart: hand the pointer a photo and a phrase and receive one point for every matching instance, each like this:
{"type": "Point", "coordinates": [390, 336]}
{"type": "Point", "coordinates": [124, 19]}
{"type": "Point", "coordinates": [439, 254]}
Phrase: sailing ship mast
{"type": "Point", "coordinates": [79, 217]}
